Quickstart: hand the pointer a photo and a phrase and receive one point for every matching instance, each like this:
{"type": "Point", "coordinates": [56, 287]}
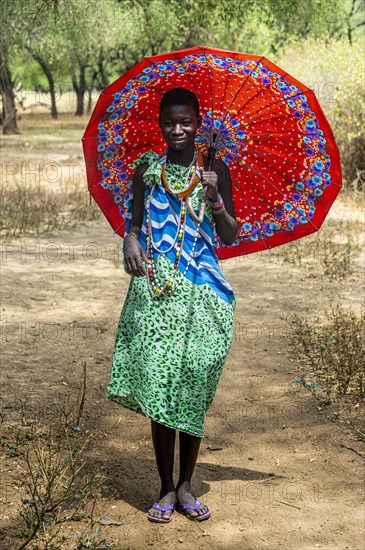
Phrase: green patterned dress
{"type": "Point", "coordinates": [170, 351]}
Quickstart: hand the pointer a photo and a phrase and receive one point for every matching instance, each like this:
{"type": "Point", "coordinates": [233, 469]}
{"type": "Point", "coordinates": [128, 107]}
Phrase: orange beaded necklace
{"type": "Point", "coordinates": [192, 185]}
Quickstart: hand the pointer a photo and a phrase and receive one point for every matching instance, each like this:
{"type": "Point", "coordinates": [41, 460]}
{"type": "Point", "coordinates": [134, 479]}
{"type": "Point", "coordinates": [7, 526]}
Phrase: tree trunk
{"type": "Point", "coordinates": [89, 99]}
{"type": "Point", "coordinates": [80, 89]}
{"type": "Point", "coordinates": [102, 72]}
{"type": "Point", "coordinates": [349, 29]}
{"type": "Point", "coordinates": [47, 71]}
{"type": "Point", "coordinates": [8, 98]}
{"type": "Point", "coordinates": [90, 91]}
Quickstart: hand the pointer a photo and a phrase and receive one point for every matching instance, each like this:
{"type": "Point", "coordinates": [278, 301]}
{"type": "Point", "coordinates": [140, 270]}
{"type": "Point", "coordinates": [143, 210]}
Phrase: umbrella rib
{"type": "Point", "coordinates": [193, 84]}
{"type": "Point", "coordinates": [263, 153]}
{"type": "Point", "coordinates": [281, 193]}
{"type": "Point", "coordinates": [304, 92]}
{"type": "Point", "coordinates": [240, 88]}
{"type": "Point", "coordinates": [188, 75]}
{"type": "Point", "coordinates": [225, 92]}
{"type": "Point", "coordinates": [268, 105]}
{"type": "Point", "coordinates": [264, 106]}
{"type": "Point", "coordinates": [278, 100]}
{"type": "Point", "coordinates": [271, 105]}
{"type": "Point", "coordinates": [121, 225]}
{"type": "Point", "coordinates": [259, 137]}
{"type": "Point", "coordinates": [276, 104]}
{"type": "Point", "coordinates": [285, 148]}
{"type": "Point", "coordinates": [252, 151]}
{"type": "Point", "coordinates": [260, 152]}
{"type": "Point", "coordinates": [273, 167]}
{"type": "Point", "coordinates": [278, 132]}
{"type": "Point", "coordinates": [239, 91]}
{"type": "Point", "coordinates": [276, 118]}
{"type": "Point", "coordinates": [273, 186]}
{"type": "Point", "coordinates": [210, 82]}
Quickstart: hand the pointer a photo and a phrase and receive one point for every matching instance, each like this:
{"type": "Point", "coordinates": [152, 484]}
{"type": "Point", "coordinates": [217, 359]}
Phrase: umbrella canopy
{"type": "Point", "coordinates": [268, 128]}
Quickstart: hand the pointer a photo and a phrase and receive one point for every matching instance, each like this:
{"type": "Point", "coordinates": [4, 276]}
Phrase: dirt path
{"type": "Point", "coordinates": [278, 478]}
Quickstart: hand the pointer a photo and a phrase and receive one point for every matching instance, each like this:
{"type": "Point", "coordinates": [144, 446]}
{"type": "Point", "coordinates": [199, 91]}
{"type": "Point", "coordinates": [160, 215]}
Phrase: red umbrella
{"type": "Point", "coordinates": [268, 128]}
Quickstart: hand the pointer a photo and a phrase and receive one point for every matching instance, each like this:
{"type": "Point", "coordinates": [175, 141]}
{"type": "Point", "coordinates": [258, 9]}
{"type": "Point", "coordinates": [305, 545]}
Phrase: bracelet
{"type": "Point", "coordinates": [217, 202]}
{"type": "Point", "coordinates": [133, 234]}
{"type": "Point", "coordinates": [220, 211]}
{"type": "Point", "coordinates": [218, 205]}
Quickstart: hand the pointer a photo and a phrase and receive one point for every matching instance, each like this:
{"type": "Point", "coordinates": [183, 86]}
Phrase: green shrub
{"type": "Point", "coordinates": [334, 70]}
{"type": "Point", "coordinates": [331, 353]}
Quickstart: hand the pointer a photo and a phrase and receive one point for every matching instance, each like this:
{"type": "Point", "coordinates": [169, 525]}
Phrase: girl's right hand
{"type": "Point", "coordinates": [133, 256]}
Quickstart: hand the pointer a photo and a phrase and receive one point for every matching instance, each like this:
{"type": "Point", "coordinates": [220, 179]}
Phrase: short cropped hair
{"type": "Point", "coordinates": [179, 96]}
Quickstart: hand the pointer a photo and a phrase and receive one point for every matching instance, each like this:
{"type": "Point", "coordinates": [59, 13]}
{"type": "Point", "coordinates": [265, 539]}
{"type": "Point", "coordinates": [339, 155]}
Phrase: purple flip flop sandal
{"type": "Point", "coordinates": [182, 507]}
{"type": "Point", "coordinates": [162, 509]}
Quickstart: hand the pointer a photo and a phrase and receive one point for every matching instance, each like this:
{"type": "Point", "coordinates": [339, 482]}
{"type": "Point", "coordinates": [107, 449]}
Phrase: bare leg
{"type": "Point", "coordinates": [189, 449]}
{"type": "Point", "coordinates": [164, 445]}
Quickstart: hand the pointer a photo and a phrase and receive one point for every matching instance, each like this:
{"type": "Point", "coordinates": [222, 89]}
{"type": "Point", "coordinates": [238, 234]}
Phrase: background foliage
{"type": "Point", "coordinates": [83, 45]}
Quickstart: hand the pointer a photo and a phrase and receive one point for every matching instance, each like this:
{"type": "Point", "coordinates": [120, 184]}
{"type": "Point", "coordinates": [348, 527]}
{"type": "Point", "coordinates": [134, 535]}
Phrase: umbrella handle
{"type": "Point", "coordinates": [200, 217]}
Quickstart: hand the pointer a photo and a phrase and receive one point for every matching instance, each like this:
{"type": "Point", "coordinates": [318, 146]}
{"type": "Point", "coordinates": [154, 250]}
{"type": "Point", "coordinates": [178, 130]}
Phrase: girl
{"type": "Point", "coordinates": [176, 325]}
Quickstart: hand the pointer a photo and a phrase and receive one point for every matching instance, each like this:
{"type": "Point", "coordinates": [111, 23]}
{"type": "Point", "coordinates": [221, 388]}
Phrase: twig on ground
{"type": "Point", "coordinates": [287, 504]}
{"type": "Point", "coordinates": [361, 454]}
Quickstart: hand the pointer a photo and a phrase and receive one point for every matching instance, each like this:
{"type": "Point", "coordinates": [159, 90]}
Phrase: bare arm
{"type": "Point", "coordinates": [133, 251]}
{"type": "Point", "coordinates": [226, 224]}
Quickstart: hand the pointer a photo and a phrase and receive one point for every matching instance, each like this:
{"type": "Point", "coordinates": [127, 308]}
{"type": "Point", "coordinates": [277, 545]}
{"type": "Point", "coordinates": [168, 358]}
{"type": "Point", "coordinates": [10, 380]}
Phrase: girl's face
{"type": "Point", "coordinates": [179, 124]}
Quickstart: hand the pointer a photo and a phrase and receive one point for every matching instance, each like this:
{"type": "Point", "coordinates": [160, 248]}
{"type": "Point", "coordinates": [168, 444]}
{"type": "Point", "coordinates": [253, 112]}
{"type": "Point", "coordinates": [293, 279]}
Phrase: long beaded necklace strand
{"type": "Point", "coordinates": [154, 285]}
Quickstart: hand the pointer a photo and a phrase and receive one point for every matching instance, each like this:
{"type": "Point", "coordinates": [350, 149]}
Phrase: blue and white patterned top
{"type": "Point", "coordinates": [164, 220]}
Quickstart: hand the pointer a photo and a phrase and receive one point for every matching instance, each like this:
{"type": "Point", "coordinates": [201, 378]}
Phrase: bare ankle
{"type": "Point", "coordinates": [167, 486]}
{"type": "Point", "coordinates": [182, 482]}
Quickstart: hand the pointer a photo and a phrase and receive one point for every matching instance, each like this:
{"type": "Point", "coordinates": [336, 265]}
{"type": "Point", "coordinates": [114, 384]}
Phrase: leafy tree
{"type": "Point", "coordinates": [355, 17]}
{"type": "Point", "coordinates": [23, 25]}
{"type": "Point", "coordinates": [91, 31]}
{"type": "Point", "coordinates": [46, 45]}
{"type": "Point", "coordinates": [8, 44]}
{"type": "Point", "coordinates": [93, 41]}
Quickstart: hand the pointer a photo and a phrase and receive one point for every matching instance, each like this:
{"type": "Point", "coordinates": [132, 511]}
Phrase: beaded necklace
{"type": "Point", "coordinates": [194, 175]}
{"type": "Point", "coordinates": [155, 286]}
{"type": "Point", "coordinates": [175, 171]}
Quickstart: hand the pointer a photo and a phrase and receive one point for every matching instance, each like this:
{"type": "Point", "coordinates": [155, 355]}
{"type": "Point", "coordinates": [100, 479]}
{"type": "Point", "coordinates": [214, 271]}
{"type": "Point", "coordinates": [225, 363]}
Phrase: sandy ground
{"type": "Point", "coordinates": [279, 479]}
{"type": "Point", "coordinates": [271, 466]}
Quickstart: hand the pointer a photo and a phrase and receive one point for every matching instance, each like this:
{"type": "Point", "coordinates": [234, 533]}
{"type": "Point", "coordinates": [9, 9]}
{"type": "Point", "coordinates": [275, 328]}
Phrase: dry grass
{"type": "Point", "coordinates": [33, 210]}
{"type": "Point", "coordinates": [334, 251]}
{"type": "Point", "coordinates": [44, 185]}
{"type": "Point", "coordinates": [54, 477]}
{"type": "Point", "coordinates": [330, 353]}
